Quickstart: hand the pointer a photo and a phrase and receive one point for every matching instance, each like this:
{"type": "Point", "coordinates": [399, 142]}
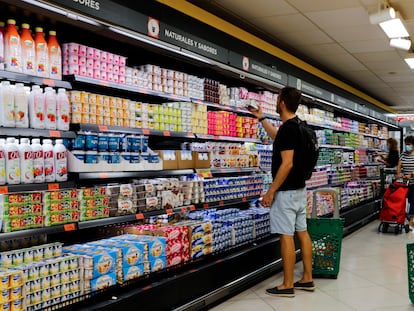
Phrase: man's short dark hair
{"type": "Point", "coordinates": [291, 96]}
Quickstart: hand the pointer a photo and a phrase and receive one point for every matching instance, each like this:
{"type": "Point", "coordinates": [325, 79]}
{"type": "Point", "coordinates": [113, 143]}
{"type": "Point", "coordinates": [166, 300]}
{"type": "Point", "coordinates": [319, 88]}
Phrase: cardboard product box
{"type": "Point", "coordinates": [169, 159]}
{"type": "Point", "coordinates": [201, 159]}
{"type": "Point", "coordinates": [185, 159]}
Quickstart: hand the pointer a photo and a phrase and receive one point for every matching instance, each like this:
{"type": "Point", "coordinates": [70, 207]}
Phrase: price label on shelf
{"type": "Point", "coordinates": [205, 205]}
{"type": "Point", "coordinates": [206, 173]}
{"type": "Point", "coordinates": [69, 227]}
{"type": "Point", "coordinates": [192, 208]}
{"type": "Point", "coordinates": [53, 186]}
{"type": "Point", "coordinates": [184, 209]}
{"type": "Point", "coordinates": [103, 175]}
{"type": "Point", "coordinates": [145, 131]}
{"type": "Point", "coordinates": [103, 83]}
{"type": "Point", "coordinates": [103, 128]}
{"type": "Point", "coordinates": [4, 189]}
{"type": "Point", "coordinates": [221, 203]}
{"type": "Point", "coordinates": [139, 216]}
{"type": "Point", "coordinates": [49, 82]}
{"type": "Point", "coordinates": [55, 134]}
{"type": "Point", "coordinates": [244, 199]}
{"type": "Point", "coordinates": [166, 133]}
{"type": "Point", "coordinates": [169, 211]}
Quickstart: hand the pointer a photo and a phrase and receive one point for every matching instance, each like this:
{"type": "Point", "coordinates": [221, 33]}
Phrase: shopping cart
{"type": "Point", "coordinates": [394, 206]}
{"type": "Point", "coordinates": [326, 235]}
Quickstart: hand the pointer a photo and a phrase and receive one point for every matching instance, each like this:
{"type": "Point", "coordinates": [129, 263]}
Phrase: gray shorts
{"type": "Point", "coordinates": [288, 212]}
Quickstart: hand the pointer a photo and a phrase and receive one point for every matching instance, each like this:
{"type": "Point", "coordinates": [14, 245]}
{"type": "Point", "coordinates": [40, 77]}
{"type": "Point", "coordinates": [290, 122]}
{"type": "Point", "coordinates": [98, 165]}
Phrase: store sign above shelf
{"type": "Point", "coordinates": [157, 33]}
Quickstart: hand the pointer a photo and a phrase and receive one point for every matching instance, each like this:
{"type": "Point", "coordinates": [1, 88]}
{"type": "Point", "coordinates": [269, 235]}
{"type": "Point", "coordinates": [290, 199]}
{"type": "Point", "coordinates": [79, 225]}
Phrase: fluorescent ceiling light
{"type": "Point", "coordinates": [382, 16]}
{"type": "Point", "coordinates": [400, 43]}
{"type": "Point", "coordinates": [394, 28]}
{"type": "Point", "coordinates": [409, 59]}
{"type": "Point", "coordinates": [46, 6]}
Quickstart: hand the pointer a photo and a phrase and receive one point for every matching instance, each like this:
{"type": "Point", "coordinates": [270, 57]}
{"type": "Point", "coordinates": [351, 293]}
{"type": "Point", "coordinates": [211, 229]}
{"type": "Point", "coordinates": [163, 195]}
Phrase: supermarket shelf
{"type": "Point", "coordinates": [6, 236]}
{"type": "Point", "coordinates": [226, 202]}
{"type": "Point", "coordinates": [29, 132]}
{"type": "Point", "coordinates": [132, 174]}
{"type": "Point", "coordinates": [227, 138]}
{"type": "Point", "coordinates": [125, 87]}
{"type": "Point", "coordinates": [24, 78]}
{"type": "Point", "coordinates": [234, 170]}
{"type": "Point", "coordinates": [344, 147]}
{"type": "Point", "coordinates": [37, 187]}
{"type": "Point", "coordinates": [342, 130]}
{"type": "Point", "coordinates": [128, 130]}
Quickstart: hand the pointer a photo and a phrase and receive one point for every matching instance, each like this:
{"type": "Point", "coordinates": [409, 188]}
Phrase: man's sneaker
{"type": "Point", "coordinates": [309, 286]}
{"type": "Point", "coordinates": [288, 292]}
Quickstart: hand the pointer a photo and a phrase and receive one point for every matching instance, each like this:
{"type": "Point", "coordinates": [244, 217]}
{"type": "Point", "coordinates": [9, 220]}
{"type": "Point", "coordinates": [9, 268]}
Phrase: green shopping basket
{"type": "Point", "coordinates": [410, 268]}
{"type": "Point", "coordinates": [326, 235]}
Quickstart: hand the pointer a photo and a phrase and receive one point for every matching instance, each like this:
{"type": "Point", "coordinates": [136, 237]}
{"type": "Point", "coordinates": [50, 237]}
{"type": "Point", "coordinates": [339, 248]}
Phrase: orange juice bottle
{"type": "Point", "coordinates": [28, 50]}
{"type": "Point", "coordinates": [12, 48]}
{"type": "Point", "coordinates": [41, 53]}
{"type": "Point", "coordinates": [55, 57]}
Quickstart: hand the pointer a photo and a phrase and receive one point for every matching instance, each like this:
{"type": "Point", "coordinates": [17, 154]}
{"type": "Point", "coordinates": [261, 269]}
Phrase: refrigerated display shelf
{"type": "Point", "coordinates": [29, 132]}
{"type": "Point", "coordinates": [24, 78]}
{"type": "Point", "coordinates": [227, 138]}
{"type": "Point", "coordinates": [227, 170]}
{"type": "Point", "coordinates": [37, 187]}
{"type": "Point", "coordinates": [325, 126]}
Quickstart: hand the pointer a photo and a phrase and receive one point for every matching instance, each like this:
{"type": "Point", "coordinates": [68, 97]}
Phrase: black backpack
{"type": "Point", "coordinates": [309, 149]}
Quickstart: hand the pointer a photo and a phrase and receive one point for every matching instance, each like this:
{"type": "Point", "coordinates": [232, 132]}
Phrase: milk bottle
{"type": "Point", "coordinates": [49, 160]}
{"type": "Point", "coordinates": [61, 161]}
{"type": "Point", "coordinates": [12, 161]}
{"type": "Point", "coordinates": [37, 108]}
{"type": "Point", "coordinates": [21, 105]}
{"type": "Point", "coordinates": [50, 108]}
{"type": "Point", "coordinates": [6, 105]}
{"type": "Point", "coordinates": [26, 161]}
{"type": "Point", "coordinates": [38, 161]}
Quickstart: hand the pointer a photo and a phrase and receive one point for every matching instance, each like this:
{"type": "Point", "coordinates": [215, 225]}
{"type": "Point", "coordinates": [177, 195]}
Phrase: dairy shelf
{"type": "Point", "coordinates": [29, 132]}
{"type": "Point", "coordinates": [37, 187]}
{"type": "Point", "coordinates": [24, 78]}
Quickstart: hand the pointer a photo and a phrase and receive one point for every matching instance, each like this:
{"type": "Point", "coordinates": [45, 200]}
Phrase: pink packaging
{"type": "Point", "coordinates": [82, 60]}
{"type": "Point", "coordinates": [82, 70]}
{"type": "Point", "coordinates": [72, 48]}
{"type": "Point", "coordinates": [104, 56]}
{"type": "Point", "coordinates": [104, 75]}
{"type": "Point", "coordinates": [97, 54]}
{"type": "Point", "coordinates": [89, 72]}
{"type": "Point", "coordinates": [104, 66]}
{"type": "Point", "coordinates": [110, 77]}
{"type": "Point", "coordinates": [110, 58]}
{"type": "Point", "coordinates": [73, 69]}
{"type": "Point", "coordinates": [90, 52]}
{"type": "Point", "coordinates": [122, 70]}
{"type": "Point", "coordinates": [121, 80]}
{"type": "Point", "coordinates": [89, 63]}
{"type": "Point", "coordinates": [96, 64]}
{"type": "Point", "coordinates": [116, 59]}
{"type": "Point", "coordinates": [115, 70]}
{"type": "Point", "coordinates": [109, 68]}
{"type": "Point", "coordinates": [73, 60]}
{"type": "Point", "coordinates": [115, 78]}
{"type": "Point", "coordinates": [82, 50]}
{"type": "Point", "coordinates": [97, 74]}
{"type": "Point", "coordinates": [65, 69]}
{"type": "Point", "coordinates": [122, 60]}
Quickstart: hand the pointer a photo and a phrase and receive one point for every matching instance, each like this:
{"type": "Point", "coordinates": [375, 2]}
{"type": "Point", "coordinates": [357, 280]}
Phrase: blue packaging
{"type": "Point", "coordinates": [78, 143]}
{"type": "Point", "coordinates": [91, 157]}
{"type": "Point", "coordinates": [113, 142]}
{"type": "Point", "coordinates": [133, 143]}
{"type": "Point", "coordinates": [144, 143]}
{"type": "Point", "coordinates": [79, 154]}
{"type": "Point", "coordinates": [91, 141]}
{"type": "Point", "coordinates": [134, 157]}
{"type": "Point", "coordinates": [102, 142]}
{"type": "Point", "coordinates": [115, 158]}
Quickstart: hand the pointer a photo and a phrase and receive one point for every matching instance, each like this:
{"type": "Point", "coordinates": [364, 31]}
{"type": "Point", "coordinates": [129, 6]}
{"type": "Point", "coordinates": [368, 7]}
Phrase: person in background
{"type": "Point", "coordinates": [405, 169]}
{"type": "Point", "coordinates": [286, 196]}
{"type": "Point", "coordinates": [391, 160]}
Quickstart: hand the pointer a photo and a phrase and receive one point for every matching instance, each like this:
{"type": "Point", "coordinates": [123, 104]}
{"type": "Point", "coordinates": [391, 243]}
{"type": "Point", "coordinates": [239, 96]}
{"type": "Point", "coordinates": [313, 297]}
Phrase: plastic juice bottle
{"type": "Point", "coordinates": [12, 48]}
{"type": "Point", "coordinates": [55, 57]}
{"type": "Point", "coordinates": [61, 160]}
{"type": "Point", "coordinates": [62, 110]}
{"type": "Point", "coordinates": [50, 108]}
{"type": "Point", "coordinates": [6, 105]}
{"type": "Point", "coordinates": [42, 53]}
{"type": "Point", "coordinates": [37, 108]}
{"type": "Point", "coordinates": [21, 106]}
{"type": "Point", "coordinates": [49, 160]}
{"type": "Point", "coordinates": [2, 162]}
{"type": "Point", "coordinates": [12, 161]}
{"type": "Point", "coordinates": [28, 50]}
{"type": "Point", "coordinates": [26, 161]}
{"type": "Point", "coordinates": [38, 161]}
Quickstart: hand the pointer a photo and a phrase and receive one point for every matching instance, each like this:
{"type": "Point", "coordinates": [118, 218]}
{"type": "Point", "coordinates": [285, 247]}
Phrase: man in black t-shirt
{"type": "Point", "coordinates": [286, 196]}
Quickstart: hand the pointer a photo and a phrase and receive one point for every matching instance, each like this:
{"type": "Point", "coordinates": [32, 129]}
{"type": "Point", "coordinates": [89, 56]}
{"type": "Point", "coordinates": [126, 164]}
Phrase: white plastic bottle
{"type": "Point", "coordinates": [38, 161]}
{"type": "Point", "coordinates": [6, 105]}
{"type": "Point", "coordinates": [21, 106]}
{"type": "Point", "coordinates": [37, 111]}
{"type": "Point", "coordinates": [49, 160]}
{"type": "Point", "coordinates": [50, 108]}
{"type": "Point", "coordinates": [61, 160]}
{"type": "Point", "coordinates": [2, 162]}
{"type": "Point", "coordinates": [62, 110]}
{"type": "Point", "coordinates": [26, 161]}
{"type": "Point", "coordinates": [12, 161]}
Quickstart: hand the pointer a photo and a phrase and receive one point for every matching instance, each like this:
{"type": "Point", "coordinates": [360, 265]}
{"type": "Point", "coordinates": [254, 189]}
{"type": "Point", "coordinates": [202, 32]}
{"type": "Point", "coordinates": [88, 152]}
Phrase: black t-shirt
{"type": "Point", "coordinates": [288, 138]}
{"type": "Point", "coordinates": [393, 157]}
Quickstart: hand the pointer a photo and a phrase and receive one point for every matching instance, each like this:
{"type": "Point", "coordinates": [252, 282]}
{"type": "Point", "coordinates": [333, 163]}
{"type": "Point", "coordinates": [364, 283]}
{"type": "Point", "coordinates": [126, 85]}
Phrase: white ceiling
{"type": "Point", "coordinates": [337, 35]}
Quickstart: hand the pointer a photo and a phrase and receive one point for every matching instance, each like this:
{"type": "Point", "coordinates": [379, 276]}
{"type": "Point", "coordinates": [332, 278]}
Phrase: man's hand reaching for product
{"type": "Point", "coordinates": [267, 199]}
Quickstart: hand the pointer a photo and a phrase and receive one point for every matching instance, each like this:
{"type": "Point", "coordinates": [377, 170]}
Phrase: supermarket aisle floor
{"type": "Point", "coordinates": [373, 276]}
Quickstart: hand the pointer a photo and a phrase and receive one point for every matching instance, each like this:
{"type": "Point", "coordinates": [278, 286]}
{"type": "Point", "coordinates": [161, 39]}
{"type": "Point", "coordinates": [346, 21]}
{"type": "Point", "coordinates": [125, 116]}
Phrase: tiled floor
{"type": "Point", "coordinates": [373, 276]}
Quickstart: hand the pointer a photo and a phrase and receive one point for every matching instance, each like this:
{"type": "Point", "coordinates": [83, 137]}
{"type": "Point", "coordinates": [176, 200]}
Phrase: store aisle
{"type": "Point", "coordinates": [373, 276]}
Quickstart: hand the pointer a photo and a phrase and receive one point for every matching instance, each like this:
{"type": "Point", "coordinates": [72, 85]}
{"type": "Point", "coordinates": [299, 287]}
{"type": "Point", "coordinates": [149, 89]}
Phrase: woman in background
{"type": "Point", "coordinates": [391, 160]}
{"type": "Point", "coordinates": [405, 169]}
